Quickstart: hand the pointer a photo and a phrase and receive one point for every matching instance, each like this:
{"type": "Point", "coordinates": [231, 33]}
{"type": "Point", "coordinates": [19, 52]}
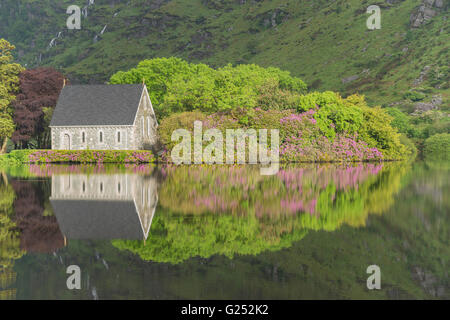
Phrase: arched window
{"type": "Point", "coordinates": [101, 187]}
{"type": "Point", "coordinates": [143, 126]}
{"type": "Point", "coordinates": [148, 126]}
{"type": "Point", "coordinates": [118, 136]}
{"type": "Point", "coordinates": [83, 137]}
{"type": "Point", "coordinates": [100, 136]}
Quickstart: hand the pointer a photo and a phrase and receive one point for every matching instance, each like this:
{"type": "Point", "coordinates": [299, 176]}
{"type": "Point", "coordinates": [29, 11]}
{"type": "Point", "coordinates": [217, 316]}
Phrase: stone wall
{"type": "Point", "coordinates": [65, 138]}
{"type": "Point", "coordinates": [145, 126]}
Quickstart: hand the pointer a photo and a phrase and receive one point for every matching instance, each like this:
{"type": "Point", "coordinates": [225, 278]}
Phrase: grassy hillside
{"type": "Point", "coordinates": [326, 43]}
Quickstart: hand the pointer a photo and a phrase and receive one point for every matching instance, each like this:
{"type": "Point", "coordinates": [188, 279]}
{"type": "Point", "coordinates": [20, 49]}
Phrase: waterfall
{"type": "Point", "coordinates": [84, 12]}
{"type": "Point", "coordinates": [103, 30]}
{"type": "Point", "coordinates": [52, 43]}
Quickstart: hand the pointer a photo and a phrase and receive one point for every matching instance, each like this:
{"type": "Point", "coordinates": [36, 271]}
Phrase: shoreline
{"type": "Point", "coordinates": [71, 157]}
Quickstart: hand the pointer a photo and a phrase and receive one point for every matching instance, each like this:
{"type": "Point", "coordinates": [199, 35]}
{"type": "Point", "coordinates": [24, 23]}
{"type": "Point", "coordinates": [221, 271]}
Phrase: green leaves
{"type": "Point", "coordinates": [9, 84]}
{"type": "Point", "coordinates": [6, 126]}
{"type": "Point", "coordinates": [9, 80]}
{"type": "Point", "coordinates": [437, 147]}
{"type": "Point", "coordinates": [177, 86]}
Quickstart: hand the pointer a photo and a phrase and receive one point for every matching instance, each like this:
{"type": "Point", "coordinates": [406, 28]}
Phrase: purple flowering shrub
{"type": "Point", "coordinates": [302, 140]}
{"type": "Point", "coordinates": [323, 127]}
{"type": "Point", "coordinates": [90, 156]}
{"type": "Point", "coordinates": [342, 148]}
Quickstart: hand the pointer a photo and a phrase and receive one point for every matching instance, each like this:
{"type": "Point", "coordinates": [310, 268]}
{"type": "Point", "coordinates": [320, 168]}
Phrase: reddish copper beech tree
{"type": "Point", "coordinates": [38, 93]}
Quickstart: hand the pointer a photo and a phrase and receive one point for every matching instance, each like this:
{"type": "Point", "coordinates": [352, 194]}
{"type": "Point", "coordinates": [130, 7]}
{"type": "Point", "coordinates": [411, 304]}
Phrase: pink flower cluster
{"type": "Point", "coordinates": [90, 156]}
{"type": "Point", "coordinates": [300, 117]}
{"type": "Point", "coordinates": [342, 148]}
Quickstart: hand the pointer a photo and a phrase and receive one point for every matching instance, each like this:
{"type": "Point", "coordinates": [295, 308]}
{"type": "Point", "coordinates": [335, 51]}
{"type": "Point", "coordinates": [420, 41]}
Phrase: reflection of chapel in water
{"type": "Point", "coordinates": [104, 206]}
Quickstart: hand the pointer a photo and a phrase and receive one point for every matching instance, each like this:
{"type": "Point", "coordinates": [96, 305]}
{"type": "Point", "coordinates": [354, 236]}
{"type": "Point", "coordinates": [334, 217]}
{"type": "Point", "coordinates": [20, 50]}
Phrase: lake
{"type": "Point", "coordinates": [225, 232]}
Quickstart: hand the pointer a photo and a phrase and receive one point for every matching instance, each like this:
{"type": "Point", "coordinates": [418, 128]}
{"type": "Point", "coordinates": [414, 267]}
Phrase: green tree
{"type": "Point", "coordinates": [9, 84]}
{"type": "Point", "coordinates": [400, 120]}
{"type": "Point", "coordinates": [177, 86]}
{"type": "Point", "coordinates": [437, 147]}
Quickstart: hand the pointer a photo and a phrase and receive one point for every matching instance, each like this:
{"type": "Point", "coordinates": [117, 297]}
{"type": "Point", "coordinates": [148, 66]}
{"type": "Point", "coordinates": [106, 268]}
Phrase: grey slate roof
{"type": "Point", "coordinates": [95, 219]}
{"type": "Point", "coordinates": [84, 105]}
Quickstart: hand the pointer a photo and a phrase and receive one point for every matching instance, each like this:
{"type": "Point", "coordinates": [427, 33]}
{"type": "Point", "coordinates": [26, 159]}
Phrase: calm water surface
{"type": "Point", "coordinates": [149, 232]}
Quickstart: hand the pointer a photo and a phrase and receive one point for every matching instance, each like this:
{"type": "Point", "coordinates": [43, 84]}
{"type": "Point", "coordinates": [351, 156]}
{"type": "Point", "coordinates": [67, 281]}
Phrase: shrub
{"type": "Point", "coordinates": [184, 120]}
{"type": "Point", "coordinates": [399, 120]}
{"type": "Point", "coordinates": [437, 147]}
{"type": "Point", "coordinates": [335, 129]}
{"type": "Point", "coordinates": [377, 132]}
{"type": "Point", "coordinates": [88, 156]}
{"type": "Point", "coordinates": [317, 100]}
{"type": "Point", "coordinates": [15, 157]}
{"type": "Point", "coordinates": [178, 86]}
{"type": "Point", "coordinates": [409, 145]}
{"type": "Point", "coordinates": [414, 96]}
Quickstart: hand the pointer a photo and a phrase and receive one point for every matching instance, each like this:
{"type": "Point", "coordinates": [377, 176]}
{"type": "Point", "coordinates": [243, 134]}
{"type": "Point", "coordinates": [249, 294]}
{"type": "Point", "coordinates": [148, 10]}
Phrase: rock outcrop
{"type": "Point", "coordinates": [421, 107]}
{"type": "Point", "coordinates": [425, 12]}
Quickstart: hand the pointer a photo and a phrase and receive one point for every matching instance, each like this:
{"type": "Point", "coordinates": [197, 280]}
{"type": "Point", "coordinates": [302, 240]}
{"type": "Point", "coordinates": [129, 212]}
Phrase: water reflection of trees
{"type": "Point", "coordinates": [39, 230]}
{"type": "Point", "coordinates": [9, 242]}
{"type": "Point", "coordinates": [223, 210]}
{"type": "Point", "coordinates": [235, 210]}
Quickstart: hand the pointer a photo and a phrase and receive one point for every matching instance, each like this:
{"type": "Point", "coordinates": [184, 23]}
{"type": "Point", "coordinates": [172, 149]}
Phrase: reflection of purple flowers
{"type": "Point", "coordinates": [292, 191]}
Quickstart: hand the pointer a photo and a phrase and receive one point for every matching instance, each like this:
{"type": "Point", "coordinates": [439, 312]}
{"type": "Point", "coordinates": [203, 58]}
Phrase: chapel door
{"type": "Point", "coordinates": [66, 142]}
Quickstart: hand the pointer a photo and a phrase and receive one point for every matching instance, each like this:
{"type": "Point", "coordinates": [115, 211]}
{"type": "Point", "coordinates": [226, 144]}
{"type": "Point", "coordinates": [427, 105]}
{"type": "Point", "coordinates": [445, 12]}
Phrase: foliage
{"type": "Point", "coordinates": [157, 74]}
{"type": "Point", "coordinates": [8, 86]}
{"type": "Point", "coordinates": [6, 127]}
{"type": "Point", "coordinates": [80, 156]}
{"type": "Point", "coordinates": [409, 145]}
{"type": "Point", "coordinates": [15, 157]}
{"type": "Point", "coordinates": [233, 210]}
{"type": "Point", "coordinates": [377, 132]}
{"type": "Point", "coordinates": [175, 239]}
{"type": "Point", "coordinates": [38, 94]}
{"type": "Point", "coordinates": [333, 129]}
{"type": "Point", "coordinates": [338, 116]}
{"type": "Point", "coordinates": [437, 147]}
{"type": "Point", "coordinates": [342, 148]}
{"type": "Point", "coordinates": [176, 121]}
{"type": "Point", "coordinates": [176, 86]}
{"type": "Point", "coordinates": [400, 120]}
{"type": "Point", "coordinates": [414, 96]}
{"type": "Point", "coordinates": [9, 241]}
